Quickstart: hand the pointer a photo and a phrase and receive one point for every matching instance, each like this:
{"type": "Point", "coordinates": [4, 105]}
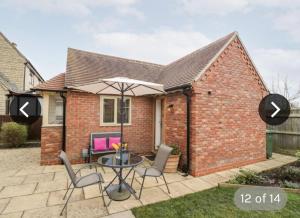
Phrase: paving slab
{"type": "Point", "coordinates": [30, 171]}
{"type": "Point", "coordinates": [118, 206]}
{"type": "Point", "coordinates": [11, 180]}
{"type": "Point", "coordinates": [91, 191]}
{"type": "Point", "coordinates": [12, 215]}
{"type": "Point", "coordinates": [7, 173]}
{"type": "Point", "coordinates": [54, 168]}
{"type": "Point", "coordinates": [90, 208]}
{"type": "Point", "coordinates": [60, 175]}
{"type": "Point", "coordinates": [17, 190]}
{"type": "Point", "coordinates": [46, 212]}
{"type": "Point", "coordinates": [174, 177]}
{"type": "Point", "coordinates": [124, 214]}
{"type": "Point", "coordinates": [3, 204]}
{"type": "Point", "coordinates": [228, 174]}
{"type": "Point", "coordinates": [45, 177]}
{"type": "Point", "coordinates": [51, 186]}
{"type": "Point", "coordinates": [213, 178]}
{"type": "Point", "coordinates": [197, 184]}
{"type": "Point", "coordinates": [26, 202]}
{"type": "Point", "coordinates": [153, 195]}
{"type": "Point", "coordinates": [177, 189]}
{"type": "Point", "coordinates": [56, 197]}
{"type": "Point", "coordinates": [253, 167]}
{"type": "Point", "coordinates": [150, 181]}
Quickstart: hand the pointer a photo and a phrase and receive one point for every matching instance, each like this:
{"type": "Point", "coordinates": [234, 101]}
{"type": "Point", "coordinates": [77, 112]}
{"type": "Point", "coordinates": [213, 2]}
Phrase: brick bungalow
{"type": "Point", "coordinates": [216, 88]}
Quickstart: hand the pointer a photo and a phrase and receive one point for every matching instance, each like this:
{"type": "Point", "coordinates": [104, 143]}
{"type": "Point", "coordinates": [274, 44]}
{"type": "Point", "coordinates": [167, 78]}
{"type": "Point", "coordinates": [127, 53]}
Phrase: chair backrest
{"type": "Point", "coordinates": [162, 157]}
{"type": "Point", "coordinates": [68, 166]}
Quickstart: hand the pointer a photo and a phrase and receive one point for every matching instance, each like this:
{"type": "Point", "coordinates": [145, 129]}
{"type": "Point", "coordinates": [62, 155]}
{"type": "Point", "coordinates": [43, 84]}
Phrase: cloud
{"type": "Point", "coordinates": [72, 7]}
{"type": "Point", "coordinates": [289, 22]}
{"type": "Point", "coordinates": [279, 63]}
{"type": "Point", "coordinates": [216, 7]}
{"type": "Point", "coordinates": [224, 7]}
{"type": "Point", "coordinates": [161, 46]}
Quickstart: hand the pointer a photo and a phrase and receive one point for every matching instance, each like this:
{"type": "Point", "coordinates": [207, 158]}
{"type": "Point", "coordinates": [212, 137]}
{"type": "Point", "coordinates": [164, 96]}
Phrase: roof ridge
{"type": "Point", "coordinates": [202, 48]}
{"type": "Point", "coordinates": [120, 58]}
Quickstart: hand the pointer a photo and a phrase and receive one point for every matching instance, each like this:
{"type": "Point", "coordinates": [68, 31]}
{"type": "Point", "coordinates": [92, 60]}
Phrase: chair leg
{"type": "Point", "coordinates": [132, 179]}
{"type": "Point", "coordinates": [102, 194]}
{"type": "Point", "coordinates": [156, 179]}
{"type": "Point", "coordinates": [67, 191]}
{"type": "Point", "coordinates": [66, 202]}
{"type": "Point", "coordinates": [166, 183]}
{"type": "Point", "coordinates": [142, 187]}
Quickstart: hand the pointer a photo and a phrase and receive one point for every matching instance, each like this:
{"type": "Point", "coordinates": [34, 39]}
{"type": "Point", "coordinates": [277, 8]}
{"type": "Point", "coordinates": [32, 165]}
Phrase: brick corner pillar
{"type": "Point", "coordinates": [51, 142]}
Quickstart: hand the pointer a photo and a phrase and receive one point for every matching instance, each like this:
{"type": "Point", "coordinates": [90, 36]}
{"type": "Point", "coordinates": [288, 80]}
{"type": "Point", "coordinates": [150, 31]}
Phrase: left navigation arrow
{"type": "Point", "coordinates": [22, 109]}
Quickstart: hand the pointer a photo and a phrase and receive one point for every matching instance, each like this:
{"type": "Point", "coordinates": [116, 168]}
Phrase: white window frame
{"type": "Point", "coordinates": [45, 108]}
{"type": "Point", "coordinates": [102, 97]}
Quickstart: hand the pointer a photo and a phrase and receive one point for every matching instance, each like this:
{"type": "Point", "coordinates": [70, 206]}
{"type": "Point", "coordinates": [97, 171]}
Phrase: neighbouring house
{"type": "Point", "coordinates": [210, 107]}
{"type": "Point", "coordinates": [17, 74]}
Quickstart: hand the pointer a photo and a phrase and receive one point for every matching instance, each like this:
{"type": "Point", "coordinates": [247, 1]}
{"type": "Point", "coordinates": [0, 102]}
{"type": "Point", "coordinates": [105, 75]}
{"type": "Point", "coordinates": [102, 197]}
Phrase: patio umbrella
{"type": "Point", "coordinates": [125, 87]}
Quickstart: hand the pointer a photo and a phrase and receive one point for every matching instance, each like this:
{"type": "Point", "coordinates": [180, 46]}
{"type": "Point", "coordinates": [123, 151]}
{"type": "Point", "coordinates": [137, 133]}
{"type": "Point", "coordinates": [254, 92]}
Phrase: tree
{"type": "Point", "coordinates": [283, 88]}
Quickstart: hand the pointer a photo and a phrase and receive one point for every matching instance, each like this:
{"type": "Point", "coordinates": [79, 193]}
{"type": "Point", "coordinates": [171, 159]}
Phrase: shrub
{"type": "Point", "coordinates": [287, 184]}
{"type": "Point", "coordinates": [13, 134]}
{"type": "Point", "coordinates": [298, 154]}
{"type": "Point", "coordinates": [247, 177]}
{"type": "Point", "coordinates": [176, 149]}
{"type": "Point", "coordinates": [290, 173]}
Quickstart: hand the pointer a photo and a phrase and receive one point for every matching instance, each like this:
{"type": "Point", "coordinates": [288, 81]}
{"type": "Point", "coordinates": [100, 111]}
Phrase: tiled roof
{"type": "Point", "coordinates": [184, 70]}
{"type": "Point", "coordinates": [56, 83]}
{"type": "Point", "coordinates": [85, 67]}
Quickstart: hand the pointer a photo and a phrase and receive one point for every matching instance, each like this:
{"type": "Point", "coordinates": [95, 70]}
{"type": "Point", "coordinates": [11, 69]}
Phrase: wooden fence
{"type": "Point", "coordinates": [34, 130]}
{"type": "Point", "coordinates": [286, 137]}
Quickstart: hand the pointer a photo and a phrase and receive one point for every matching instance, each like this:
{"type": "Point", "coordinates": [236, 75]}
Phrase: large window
{"type": "Point", "coordinates": [111, 110]}
{"type": "Point", "coordinates": [55, 110]}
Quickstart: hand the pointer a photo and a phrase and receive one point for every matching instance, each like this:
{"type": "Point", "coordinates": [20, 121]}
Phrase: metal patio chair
{"type": "Point", "coordinates": [157, 168]}
{"type": "Point", "coordinates": [82, 181]}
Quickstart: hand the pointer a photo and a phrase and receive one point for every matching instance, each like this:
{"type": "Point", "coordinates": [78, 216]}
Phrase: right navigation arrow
{"type": "Point", "coordinates": [277, 109]}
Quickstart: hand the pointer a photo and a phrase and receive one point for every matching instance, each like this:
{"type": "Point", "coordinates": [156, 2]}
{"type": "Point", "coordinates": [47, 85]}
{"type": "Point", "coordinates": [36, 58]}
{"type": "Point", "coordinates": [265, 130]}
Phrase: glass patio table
{"type": "Point", "coordinates": [122, 190]}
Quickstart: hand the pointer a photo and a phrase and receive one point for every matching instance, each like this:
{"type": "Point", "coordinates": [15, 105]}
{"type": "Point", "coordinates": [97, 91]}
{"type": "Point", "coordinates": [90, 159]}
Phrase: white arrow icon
{"type": "Point", "coordinates": [22, 109]}
{"type": "Point", "coordinates": [277, 109]}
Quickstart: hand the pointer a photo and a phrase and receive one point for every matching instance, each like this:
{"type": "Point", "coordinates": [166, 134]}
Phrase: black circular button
{"type": "Point", "coordinates": [25, 109]}
{"type": "Point", "coordinates": [274, 109]}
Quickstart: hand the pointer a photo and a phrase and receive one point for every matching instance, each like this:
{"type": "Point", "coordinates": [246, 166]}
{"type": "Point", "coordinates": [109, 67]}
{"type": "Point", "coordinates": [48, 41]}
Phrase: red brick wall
{"type": "Point", "coordinates": [51, 139]}
{"type": "Point", "coordinates": [175, 122]}
{"type": "Point", "coordinates": [227, 131]}
{"type": "Point", "coordinates": [83, 117]}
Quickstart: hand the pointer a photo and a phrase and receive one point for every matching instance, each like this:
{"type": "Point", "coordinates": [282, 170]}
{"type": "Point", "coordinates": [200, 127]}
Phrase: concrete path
{"type": "Point", "coordinates": [37, 191]}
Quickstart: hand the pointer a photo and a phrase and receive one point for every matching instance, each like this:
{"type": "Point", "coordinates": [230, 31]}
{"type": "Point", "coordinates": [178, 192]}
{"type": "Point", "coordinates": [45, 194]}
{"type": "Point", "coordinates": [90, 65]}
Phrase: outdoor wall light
{"type": "Point", "coordinates": [171, 107]}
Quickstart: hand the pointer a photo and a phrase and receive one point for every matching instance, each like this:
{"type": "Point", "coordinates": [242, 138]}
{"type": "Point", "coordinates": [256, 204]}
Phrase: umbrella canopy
{"type": "Point", "coordinates": [119, 85]}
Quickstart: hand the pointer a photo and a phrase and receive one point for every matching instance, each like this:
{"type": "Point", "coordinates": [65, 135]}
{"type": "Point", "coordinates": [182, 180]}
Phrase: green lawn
{"type": "Point", "coordinates": [216, 202]}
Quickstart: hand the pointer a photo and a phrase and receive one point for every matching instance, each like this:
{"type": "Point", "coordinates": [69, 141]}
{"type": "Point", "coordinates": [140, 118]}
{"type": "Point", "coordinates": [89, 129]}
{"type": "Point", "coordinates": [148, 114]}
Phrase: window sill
{"type": "Point", "coordinates": [114, 124]}
{"type": "Point", "coordinates": [52, 125]}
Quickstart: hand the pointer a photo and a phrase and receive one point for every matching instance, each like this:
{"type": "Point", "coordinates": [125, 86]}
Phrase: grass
{"type": "Point", "coordinates": [216, 202]}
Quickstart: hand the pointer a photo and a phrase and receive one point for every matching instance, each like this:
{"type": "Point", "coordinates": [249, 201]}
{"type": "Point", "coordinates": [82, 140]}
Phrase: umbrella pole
{"type": "Point", "coordinates": [122, 123]}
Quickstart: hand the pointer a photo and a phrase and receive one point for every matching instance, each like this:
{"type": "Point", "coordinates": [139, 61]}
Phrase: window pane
{"type": "Point", "coordinates": [108, 110]}
{"type": "Point", "coordinates": [55, 110]}
{"type": "Point", "coordinates": [126, 110]}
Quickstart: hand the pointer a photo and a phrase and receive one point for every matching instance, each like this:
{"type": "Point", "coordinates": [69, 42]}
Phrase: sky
{"type": "Point", "coordinates": [155, 31]}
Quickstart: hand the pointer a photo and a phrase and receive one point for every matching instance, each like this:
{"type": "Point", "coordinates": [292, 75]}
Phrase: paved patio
{"type": "Point", "coordinates": [30, 190]}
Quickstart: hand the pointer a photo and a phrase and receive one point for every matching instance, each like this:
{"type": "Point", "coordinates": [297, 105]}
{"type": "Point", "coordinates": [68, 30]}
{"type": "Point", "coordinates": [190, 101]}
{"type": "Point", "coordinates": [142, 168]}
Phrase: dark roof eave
{"type": "Point", "coordinates": [49, 90]}
{"type": "Point", "coordinates": [178, 88]}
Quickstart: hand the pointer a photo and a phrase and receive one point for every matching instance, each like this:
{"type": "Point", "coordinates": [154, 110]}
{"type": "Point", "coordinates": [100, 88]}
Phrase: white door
{"type": "Point", "coordinates": [158, 123]}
